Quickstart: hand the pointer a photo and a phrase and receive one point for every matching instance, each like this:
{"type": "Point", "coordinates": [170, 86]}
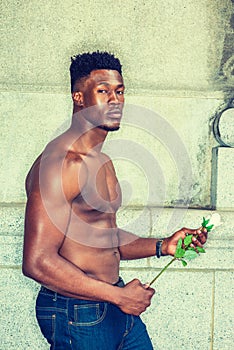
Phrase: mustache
{"type": "Point", "coordinates": [114, 110]}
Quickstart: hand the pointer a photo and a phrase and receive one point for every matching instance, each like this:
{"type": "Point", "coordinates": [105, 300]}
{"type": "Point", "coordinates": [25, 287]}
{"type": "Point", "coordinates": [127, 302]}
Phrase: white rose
{"type": "Point", "coordinates": [215, 220]}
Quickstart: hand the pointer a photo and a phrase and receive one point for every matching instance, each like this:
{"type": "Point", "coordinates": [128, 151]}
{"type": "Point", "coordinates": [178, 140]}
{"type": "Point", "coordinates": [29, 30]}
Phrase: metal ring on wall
{"type": "Point", "coordinates": [216, 125]}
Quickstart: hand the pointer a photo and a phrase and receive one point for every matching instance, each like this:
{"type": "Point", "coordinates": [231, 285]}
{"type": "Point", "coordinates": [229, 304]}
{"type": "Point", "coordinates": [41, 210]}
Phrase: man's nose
{"type": "Point", "coordinates": [113, 97]}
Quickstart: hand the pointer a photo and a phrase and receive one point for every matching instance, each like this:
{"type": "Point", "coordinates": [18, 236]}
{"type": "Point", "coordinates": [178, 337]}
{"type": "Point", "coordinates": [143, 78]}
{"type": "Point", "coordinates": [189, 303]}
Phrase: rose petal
{"type": "Point", "coordinates": [215, 219]}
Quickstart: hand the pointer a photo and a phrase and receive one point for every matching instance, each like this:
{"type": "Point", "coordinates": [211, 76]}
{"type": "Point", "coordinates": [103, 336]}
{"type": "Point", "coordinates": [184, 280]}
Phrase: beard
{"type": "Point", "coordinates": [107, 127]}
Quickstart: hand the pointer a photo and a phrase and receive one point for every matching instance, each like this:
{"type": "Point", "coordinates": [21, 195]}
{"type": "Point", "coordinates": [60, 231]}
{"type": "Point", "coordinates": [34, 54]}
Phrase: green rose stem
{"type": "Point", "coordinates": [164, 269]}
{"type": "Point", "coordinates": [184, 251]}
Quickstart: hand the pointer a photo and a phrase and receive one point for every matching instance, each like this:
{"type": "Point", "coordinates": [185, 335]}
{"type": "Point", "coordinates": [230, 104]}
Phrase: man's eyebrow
{"type": "Point", "coordinates": [108, 84]}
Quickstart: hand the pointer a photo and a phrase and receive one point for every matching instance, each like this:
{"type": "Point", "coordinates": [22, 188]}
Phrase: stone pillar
{"type": "Point", "coordinates": [222, 184]}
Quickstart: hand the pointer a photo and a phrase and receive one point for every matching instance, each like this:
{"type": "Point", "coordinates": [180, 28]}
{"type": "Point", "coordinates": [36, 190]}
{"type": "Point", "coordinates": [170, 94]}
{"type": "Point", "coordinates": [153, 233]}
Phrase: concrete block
{"type": "Point", "coordinates": [169, 165]}
{"type": "Point", "coordinates": [19, 329]}
{"type": "Point", "coordinates": [180, 314]}
{"type": "Point", "coordinates": [12, 220]}
{"type": "Point", "coordinates": [129, 264]}
{"type": "Point", "coordinates": [32, 120]}
{"type": "Point", "coordinates": [165, 221]}
{"type": "Point", "coordinates": [179, 45]}
{"type": "Point", "coordinates": [223, 178]}
{"type": "Point", "coordinates": [138, 222]}
{"type": "Point", "coordinates": [223, 311]}
{"type": "Point", "coordinates": [135, 220]}
{"type": "Point", "coordinates": [11, 250]}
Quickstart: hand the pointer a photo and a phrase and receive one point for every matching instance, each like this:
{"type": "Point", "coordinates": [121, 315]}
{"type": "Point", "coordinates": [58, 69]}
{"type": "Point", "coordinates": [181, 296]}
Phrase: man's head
{"type": "Point", "coordinates": [98, 89]}
{"type": "Point", "coordinates": [82, 65]}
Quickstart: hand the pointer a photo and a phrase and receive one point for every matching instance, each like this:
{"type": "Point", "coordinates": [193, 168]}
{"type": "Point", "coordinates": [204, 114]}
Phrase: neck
{"type": "Point", "coordinates": [86, 136]}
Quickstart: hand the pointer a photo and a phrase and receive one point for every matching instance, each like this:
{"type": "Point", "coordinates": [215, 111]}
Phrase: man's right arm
{"type": "Point", "coordinates": [47, 216]}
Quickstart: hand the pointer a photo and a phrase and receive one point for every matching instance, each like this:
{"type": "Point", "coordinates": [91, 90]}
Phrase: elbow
{"type": "Point", "coordinates": [33, 268]}
{"type": "Point", "coordinates": [29, 269]}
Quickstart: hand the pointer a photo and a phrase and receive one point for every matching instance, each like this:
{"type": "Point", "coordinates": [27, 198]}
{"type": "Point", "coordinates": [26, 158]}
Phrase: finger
{"type": "Point", "coordinates": [136, 282]}
{"type": "Point", "coordinates": [189, 231]}
{"type": "Point", "coordinates": [152, 291]}
{"type": "Point", "coordinates": [202, 238]}
{"type": "Point", "coordinates": [201, 233]}
{"type": "Point", "coordinates": [204, 230]}
{"type": "Point", "coordinates": [147, 286]}
{"type": "Point", "coordinates": [196, 242]}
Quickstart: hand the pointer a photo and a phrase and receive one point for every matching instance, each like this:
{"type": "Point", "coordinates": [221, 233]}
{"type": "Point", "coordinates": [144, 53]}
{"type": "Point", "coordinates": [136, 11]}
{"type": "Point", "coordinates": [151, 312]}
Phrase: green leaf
{"type": "Point", "coordinates": [184, 263]}
{"type": "Point", "coordinates": [205, 222]}
{"type": "Point", "coordinates": [179, 250]}
{"type": "Point", "coordinates": [188, 240]}
{"type": "Point", "coordinates": [191, 248]}
{"type": "Point", "coordinates": [200, 250]}
{"type": "Point", "coordinates": [209, 228]}
{"type": "Point", "coordinates": [179, 253]}
{"type": "Point", "coordinates": [179, 243]}
{"type": "Point", "coordinates": [190, 254]}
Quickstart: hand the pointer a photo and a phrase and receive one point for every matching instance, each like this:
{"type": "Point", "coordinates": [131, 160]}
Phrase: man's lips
{"type": "Point", "coordinates": [116, 113]}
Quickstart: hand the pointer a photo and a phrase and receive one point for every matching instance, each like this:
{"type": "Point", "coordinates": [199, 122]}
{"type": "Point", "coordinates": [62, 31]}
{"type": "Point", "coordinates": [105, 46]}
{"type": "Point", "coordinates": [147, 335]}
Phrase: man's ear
{"type": "Point", "coordinates": [78, 98]}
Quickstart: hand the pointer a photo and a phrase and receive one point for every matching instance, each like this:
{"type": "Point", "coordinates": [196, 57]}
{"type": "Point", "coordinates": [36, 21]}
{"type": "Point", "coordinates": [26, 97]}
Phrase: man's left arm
{"type": "Point", "coordinates": [134, 247]}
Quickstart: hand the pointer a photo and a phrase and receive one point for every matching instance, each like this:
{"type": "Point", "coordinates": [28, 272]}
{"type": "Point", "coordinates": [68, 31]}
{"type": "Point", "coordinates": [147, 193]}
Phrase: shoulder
{"type": "Point", "coordinates": [107, 160]}
{"type": "Point", "coordinates": [57, 173]}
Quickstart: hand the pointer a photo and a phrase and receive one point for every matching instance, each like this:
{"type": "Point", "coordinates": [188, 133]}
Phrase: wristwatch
{"type": "Point", "coordinates": [159, 248]}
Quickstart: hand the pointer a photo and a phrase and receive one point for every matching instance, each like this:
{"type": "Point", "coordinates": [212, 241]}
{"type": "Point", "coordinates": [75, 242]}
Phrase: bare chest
{"type": "Point", "coordinates": [101, 191]}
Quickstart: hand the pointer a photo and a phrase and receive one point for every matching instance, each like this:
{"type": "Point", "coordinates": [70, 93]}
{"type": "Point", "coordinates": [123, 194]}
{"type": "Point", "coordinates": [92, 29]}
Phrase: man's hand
{"type": "Point", "coordinates": [169, 244]}
{"type": "Point", "coordinates": [135, 298]}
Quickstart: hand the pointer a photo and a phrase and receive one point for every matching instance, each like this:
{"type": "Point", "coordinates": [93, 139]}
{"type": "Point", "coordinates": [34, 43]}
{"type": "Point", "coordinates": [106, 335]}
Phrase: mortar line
{"type": "Point", "coordinates": [12, 267]}
{"type": "Point", "coordinates": [150, 233]}
{"type": "Point", "coordinates": [212, 313]}
{"type": "Point", "coordinates": [196, 270]}
{"type": "Point", "coordinates": [151, 222]}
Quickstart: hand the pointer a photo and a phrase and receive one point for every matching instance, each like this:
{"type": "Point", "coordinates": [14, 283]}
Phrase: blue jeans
{"type": "Point", "coordinates": [75, 324]}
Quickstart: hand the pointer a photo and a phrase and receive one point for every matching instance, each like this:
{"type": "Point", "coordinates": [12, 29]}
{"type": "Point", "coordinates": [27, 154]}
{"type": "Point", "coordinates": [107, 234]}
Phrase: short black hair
{"type": "Point", "coordinates": [83, 64]}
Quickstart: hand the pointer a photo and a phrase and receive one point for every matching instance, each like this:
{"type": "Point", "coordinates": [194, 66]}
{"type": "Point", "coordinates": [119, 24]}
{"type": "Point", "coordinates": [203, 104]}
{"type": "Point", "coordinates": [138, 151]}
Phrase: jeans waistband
{"type": "Point", "coordinates": [120, 283]}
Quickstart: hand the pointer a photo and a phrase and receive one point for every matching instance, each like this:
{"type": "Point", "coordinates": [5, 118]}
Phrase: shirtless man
{"type": "Point", "coordinates": [72, 245]}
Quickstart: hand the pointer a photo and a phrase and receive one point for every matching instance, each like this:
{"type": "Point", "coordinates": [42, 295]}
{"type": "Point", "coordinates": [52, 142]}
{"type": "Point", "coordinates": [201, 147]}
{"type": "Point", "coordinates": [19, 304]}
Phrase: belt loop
{"type": "Point", "coordinates": [55, 296]}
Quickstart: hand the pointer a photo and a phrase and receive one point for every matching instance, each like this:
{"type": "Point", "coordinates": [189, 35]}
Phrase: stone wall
{"type": "Point", "coordinates": [178, 67]}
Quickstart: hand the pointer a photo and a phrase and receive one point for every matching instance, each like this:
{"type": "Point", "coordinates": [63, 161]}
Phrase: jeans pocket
{"type": "Point", "coordinates": [88, 314]}
{"type": "Point", "coordinates": [46, 318]}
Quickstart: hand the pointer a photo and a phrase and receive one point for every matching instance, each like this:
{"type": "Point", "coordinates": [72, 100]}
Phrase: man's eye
{"type": "Point", "coordinates": [102, 91]}
{"type": "Point", "coordinates": [120, 92]}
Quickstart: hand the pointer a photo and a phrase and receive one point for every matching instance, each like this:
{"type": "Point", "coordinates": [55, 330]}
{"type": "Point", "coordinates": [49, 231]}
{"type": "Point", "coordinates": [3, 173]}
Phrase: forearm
{"type": "Point", "coordinates": [135, 247]}
{"type": "Point", "coordinates": [58, 274]}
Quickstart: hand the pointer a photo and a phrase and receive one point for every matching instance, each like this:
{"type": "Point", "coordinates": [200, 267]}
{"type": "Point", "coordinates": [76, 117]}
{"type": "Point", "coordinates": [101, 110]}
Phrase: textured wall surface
{"type": "Point", "coordinates": [178, 64]}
